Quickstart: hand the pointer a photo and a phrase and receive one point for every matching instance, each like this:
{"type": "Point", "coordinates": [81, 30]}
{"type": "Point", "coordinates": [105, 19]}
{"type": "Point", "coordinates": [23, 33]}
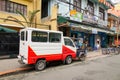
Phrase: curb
{"type": "Point", "coordinates": [14, 70]}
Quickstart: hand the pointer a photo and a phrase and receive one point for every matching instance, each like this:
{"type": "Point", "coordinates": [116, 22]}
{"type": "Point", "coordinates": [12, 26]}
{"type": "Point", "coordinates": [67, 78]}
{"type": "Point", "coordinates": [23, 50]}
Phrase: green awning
{"type": "Point", "coordinates": [4, 29]}
{"type": "Point", "coordinates": [61, 19]}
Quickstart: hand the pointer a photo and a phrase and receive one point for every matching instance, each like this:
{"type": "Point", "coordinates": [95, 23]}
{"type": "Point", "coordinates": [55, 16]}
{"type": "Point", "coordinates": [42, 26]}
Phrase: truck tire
{"type": "Point", "coordinates": [40, 65]}
{"type": "Point", "coordinates": [82, 57]}
{"type": "Point", "coordinates": [68, 60]}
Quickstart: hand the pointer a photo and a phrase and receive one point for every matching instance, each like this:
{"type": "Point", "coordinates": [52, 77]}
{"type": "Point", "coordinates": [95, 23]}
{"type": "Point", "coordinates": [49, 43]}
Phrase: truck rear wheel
{"type": "Point", "coordinates": [40, 65]}
{"type": "Point", "coordinates": [68, 60]}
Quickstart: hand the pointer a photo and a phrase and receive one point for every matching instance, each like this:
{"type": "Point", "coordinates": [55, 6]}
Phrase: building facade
{"type": "Point", "coordinates": [113, 24]}
{"type": "Point", "coordinates": [86, 20]}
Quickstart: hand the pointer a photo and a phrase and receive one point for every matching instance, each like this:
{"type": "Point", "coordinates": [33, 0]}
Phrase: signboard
{"type": "Point", "coordinates": [94, 31]}
{"type": "Point", "coordinates": [76, 16]}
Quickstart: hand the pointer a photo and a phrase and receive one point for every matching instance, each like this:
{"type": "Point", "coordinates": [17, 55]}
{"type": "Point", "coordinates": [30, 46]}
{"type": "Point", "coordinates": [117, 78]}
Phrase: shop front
{"type": "Point", "coordinates": [95, 36]}
{"type": "Point", "coordinates": [9, 42]}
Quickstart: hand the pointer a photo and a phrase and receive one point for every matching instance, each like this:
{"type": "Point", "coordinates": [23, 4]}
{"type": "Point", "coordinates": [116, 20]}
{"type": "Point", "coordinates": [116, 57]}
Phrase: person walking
{"type": "Point", "coordinates": [84, 46]}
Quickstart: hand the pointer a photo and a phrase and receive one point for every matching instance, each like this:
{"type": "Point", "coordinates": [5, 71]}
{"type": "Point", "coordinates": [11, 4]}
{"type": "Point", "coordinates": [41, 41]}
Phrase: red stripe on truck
{"type": "Point", "coordinates": [32, 57]}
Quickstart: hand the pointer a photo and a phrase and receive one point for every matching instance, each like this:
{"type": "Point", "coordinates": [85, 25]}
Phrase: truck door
{"type": "Point", "coordinates": [70, 45]}
{"type": "Point", "coordinates": [23, 43]}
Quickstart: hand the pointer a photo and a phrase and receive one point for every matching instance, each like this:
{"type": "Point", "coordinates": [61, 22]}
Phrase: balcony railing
{"type": "Point", "coordinates": [114, 28]}
{"type": "Point", "coordinates": [90, 18]}
{"type": "Point", "coordinates": [102, 22]}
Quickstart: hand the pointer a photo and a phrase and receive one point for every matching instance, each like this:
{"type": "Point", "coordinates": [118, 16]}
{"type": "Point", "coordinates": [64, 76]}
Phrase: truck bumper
{"type": "Point", "coordinates": [22, 60]}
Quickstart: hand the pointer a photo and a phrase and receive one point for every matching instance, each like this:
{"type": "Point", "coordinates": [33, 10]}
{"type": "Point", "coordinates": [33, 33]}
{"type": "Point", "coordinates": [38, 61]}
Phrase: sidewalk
{"type": "Point", "coordinates": [11, 65]}
{"type": "Point", "coordinates": [95, 54]}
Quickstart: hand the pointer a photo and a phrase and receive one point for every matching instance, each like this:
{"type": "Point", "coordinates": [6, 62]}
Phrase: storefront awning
{"type": "Point", "coordinates": [90, 28]}
{"type": "Point", "coordinates": [4, 29]}
{"type": "Point", "coordinates": [78, 27]}
{"type": "Point", "coordinates": [61, 20]}
{"type": "Point", "coordinates": [105, 31]}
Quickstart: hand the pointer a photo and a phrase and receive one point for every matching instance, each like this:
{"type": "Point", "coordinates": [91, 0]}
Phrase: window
{"type": "Point", "coordinates": [2, 5]}
{"type": "Point", "coordinates": [101, 13]}
{"type": "Point", "coordinates": [90, 8]}
{"type": "Point", "coordinates": [44, 8]}
{"type": "Point", "coordinates": [39, 36]}
{"type": "Point", "coordinates": [77, 5]}
{"type": "Point", "coordinates": [11, 7]}
{"type": "Point", "coordinates": [22, 36]}
{"type": "Point", "coordinates": [26, 36]}
{"type": "Point", "coordinates": [68, 42]}
{"type": "Point", "coordinates": [55, 37]}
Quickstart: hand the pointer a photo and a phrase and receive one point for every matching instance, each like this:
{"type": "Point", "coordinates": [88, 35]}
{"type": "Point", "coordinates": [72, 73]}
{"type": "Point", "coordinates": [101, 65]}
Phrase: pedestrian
{"type": "Point", "coordinates": [80, 44]}
{"type": "Point", "coordinates": [98, 45]}
{"type": "Point", "coordinates": [84, 46]}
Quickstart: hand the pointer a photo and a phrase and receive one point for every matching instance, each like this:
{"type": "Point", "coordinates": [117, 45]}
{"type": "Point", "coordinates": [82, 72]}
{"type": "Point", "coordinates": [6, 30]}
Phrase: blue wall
{"type": "Point", "coordinates": [92, 40]}
{"type": "Point", "coordinates": [103, 39]}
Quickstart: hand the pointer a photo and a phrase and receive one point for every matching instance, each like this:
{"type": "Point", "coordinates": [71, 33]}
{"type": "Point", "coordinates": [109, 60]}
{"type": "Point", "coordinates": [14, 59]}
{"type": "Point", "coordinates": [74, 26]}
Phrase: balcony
{"type": "Point", "coordinates": [102, 23]}
{"type": "Point", "coordinates": [93, 19]}
{"type": "Point", "coordinates": [114, 29]}
{"type": "Point", "coordinates": [82, 15]}
{"type": "Point", "coordinates": [89, 18]}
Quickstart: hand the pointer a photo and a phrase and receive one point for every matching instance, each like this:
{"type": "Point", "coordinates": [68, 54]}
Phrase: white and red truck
{"type": "Point", "coordinates": [40, 46]}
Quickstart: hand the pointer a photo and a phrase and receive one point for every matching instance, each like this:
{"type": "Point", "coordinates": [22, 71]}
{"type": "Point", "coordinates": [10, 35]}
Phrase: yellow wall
{"type": "Point", "coordinates": [11, 24]}
{"type": "Point", "coordinates": [31, 5]}
{"type": "Point", "coordinates": [51, 20]}
{"type": "Point", "coordinates": [54, 18]}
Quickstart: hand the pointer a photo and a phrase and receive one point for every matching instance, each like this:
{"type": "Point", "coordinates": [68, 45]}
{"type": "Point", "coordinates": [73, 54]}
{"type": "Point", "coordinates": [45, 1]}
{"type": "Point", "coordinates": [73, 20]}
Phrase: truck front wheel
{"type": "Point", "coordinates": [40, 65]}
{"type": "Point", "coordinates": [68, 60]}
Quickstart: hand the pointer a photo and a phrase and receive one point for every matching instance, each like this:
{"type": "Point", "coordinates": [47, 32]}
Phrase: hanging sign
{"type": "Point", "coordinates": [94, 31]}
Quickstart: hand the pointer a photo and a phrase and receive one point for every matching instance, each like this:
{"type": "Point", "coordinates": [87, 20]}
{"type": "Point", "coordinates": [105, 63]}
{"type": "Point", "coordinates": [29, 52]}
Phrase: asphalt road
{"type": "Point", "coordinates": [107, 68]}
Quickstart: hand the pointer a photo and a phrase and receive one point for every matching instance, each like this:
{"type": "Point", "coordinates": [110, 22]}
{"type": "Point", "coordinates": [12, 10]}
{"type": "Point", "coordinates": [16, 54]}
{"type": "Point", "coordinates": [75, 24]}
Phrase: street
{"type": "Point", "coordinates": [106, 68]}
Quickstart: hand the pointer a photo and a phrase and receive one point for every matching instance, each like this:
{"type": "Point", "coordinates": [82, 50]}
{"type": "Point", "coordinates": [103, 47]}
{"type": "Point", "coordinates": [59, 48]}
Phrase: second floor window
{"type": "Point", "coordinates": [77, 5]}
{"type": "Point", "coordinates": [90, 7]}
{"type": "Point", "coordinates": [44, 8]}
{"type": "Point", "coordinates": [114, 23]}
{"type": "Point", "coordinates": [101, 14]}
{"type": "Point", "coordinates": [9, 6]}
